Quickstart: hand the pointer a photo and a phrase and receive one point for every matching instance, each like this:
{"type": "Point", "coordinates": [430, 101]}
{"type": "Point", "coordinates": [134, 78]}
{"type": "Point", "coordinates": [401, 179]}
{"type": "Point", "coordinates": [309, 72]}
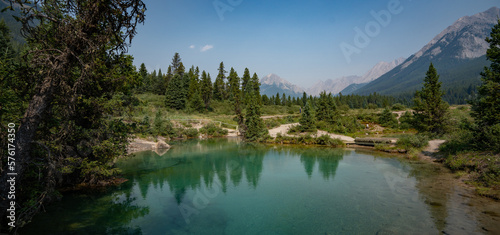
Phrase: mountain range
{"type": "Point", "coordinates": [272, 83]}
{"type": "Point", "coordinates": [458, 54]}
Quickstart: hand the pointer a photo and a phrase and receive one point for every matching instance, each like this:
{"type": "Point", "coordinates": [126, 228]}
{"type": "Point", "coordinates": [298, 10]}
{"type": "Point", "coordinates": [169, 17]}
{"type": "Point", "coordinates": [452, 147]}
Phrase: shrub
{"type": "Point", "coordinates": [191, 132]}
{"type": "Point", "coordinates": [306, 139]}
{"type": "Point", "coordinates": [344, 125]}
{"type": "Point", "coordinates": [412, 142]}
{"type": "Point", "coordinates": [271, 123]}
{"type": "Point", "coordinates": [387, 119]}
{"type": "Point", "coordinates": [398, 107]}
{"type": "Point", "coordinates": [372, 106]}
{"type": "Point", "coordinates": [213, 130]}
{"type": "Point", "coordinates": [328, 141]}
{"type": "Point", "coordinates": [459, 141]}
{"type": "Point", "coordinates": [406, 121]}
{"type": "Point", "coordinates": [294, 130]}
{"type": "Point", "coordinates": [490, 138]}
{"type": "Point", "coordinates": [483, 169]}
{"type": "Point", "coordinates": [367, 117]}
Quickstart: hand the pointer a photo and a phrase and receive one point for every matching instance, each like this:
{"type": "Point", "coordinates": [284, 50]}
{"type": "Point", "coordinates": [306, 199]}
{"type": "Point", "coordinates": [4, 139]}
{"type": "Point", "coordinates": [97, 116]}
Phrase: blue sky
{"type": "Point", "coordinates": [299, 40]}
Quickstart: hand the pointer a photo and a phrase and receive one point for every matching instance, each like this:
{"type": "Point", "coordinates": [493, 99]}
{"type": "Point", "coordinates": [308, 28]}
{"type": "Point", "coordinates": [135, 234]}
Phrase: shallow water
{"type": "Point", "coordinates": [224, 186]}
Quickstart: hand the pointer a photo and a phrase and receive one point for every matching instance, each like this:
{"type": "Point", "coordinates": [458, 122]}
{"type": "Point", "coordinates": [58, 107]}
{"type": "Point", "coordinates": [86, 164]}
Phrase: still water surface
{"type": "Point", "coordinates": [224, 186]}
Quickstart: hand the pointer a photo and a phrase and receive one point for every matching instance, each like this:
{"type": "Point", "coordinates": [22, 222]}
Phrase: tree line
{"type": "Point", "coordinates": [194, 89]}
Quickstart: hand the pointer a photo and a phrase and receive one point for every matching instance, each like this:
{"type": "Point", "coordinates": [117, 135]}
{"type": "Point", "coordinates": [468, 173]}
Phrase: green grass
{"type": "Point", "coordinates": [482, 169]}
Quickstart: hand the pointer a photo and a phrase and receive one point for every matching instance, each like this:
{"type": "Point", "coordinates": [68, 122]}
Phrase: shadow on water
{"type": "Point", "coordinates": [96, 213]}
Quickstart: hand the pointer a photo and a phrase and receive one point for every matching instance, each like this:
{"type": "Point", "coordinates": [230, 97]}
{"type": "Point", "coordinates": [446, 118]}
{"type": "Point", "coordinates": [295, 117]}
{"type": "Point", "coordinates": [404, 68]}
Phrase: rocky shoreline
{"type": "Point", "coordinates": [138, 145]}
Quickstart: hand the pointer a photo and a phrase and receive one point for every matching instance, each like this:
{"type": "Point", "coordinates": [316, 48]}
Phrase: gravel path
{"type": "Point", "coordinates": [430, 151]}
{"type": "Point", "coordinates": [283, 129]}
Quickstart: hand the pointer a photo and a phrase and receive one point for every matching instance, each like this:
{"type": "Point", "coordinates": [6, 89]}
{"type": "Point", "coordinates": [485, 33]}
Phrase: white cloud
{"type": "Point", "coordinates": [206, 48]}
{"type": "Point", "coordinates": [191, 47]}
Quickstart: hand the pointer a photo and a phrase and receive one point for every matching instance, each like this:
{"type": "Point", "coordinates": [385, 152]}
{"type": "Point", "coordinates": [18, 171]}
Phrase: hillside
{"type": "Point", "coordinates": [458, 53]}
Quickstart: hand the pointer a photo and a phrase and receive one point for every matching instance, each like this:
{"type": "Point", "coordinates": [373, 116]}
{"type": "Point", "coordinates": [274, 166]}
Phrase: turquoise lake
{"type": "Point", "coordinates": [225, 186]}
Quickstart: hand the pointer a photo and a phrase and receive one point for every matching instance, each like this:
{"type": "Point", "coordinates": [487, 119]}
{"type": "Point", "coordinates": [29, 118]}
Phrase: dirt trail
{"type": "Point", "coordinates": [283, 129]}
{"type": "Point", "coordinates": [279, 116]}
{"type": "Point", "coordinates": [429, 153]}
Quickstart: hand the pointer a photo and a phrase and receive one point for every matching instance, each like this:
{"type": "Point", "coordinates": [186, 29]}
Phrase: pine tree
{"type": "Point", "coordinates": [246, 88]}
{"type": "Point", "coordinates": [283, 99]}
{"type": "Point", "coordinates": [185, 86]}
{"type": "Point", "coordinates": [486, 107]}
{"type": "Point", "coordinates": [174, 96]}
{"type": "Point", "coordinates": [206, 88]}
{"type": "Point", "coordinates": [304, 99]}
{"type": "Point", "coordinates": [255, 127]}
{"type": "Point", "coordinates": [219, 88]}
{"type": "Point", "coordinates": [180, 70]}
{"type": "Point", "coordinates": [323, 111]}
{"type": "Point", "coordinates": [151, 81]}
{"type": "Point", "coordinates": [143, 72]}
{"type": "Point", "coordinates": [256, 87]}
{"type": "Point", "coordinates": [196, 102]}
{"type": "Point", "coordinates": [194, 83]}
{"type": "Point", "coordinates": [158, 84]}
{"type": "Point", "coordinates": [431, 112]}
{"type": "Point", "coordinates": [235, 96]}
{"type": "Point", "coordinates": [307, 120]}
{"type": "Point", "coordinates": [168, 76]}
{"type": "Point", "coordinates": [265, 100]}
{"type": "Point", "coordinates": [176, 63]}
{"type": "Point", "coordinates": [277, 100]}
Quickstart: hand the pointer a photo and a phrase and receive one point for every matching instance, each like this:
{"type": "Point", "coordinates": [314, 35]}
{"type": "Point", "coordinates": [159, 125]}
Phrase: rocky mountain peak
{"type": "Point", "coordinates": [465, 37]}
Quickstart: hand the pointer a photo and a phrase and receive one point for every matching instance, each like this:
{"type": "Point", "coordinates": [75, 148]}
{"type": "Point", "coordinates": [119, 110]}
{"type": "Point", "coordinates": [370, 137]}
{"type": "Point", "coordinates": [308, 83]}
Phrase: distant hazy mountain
{"type": "Point", "coordinates": [332, 85]}
{"type": "Point", "coordinates": [272, 84]}
{"type": "Point", "coordinates": [457, 53]}
{"type": "Point", "coordinates": [338, 85]}
{"type": "Point", "coordinates": [379, 69]}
